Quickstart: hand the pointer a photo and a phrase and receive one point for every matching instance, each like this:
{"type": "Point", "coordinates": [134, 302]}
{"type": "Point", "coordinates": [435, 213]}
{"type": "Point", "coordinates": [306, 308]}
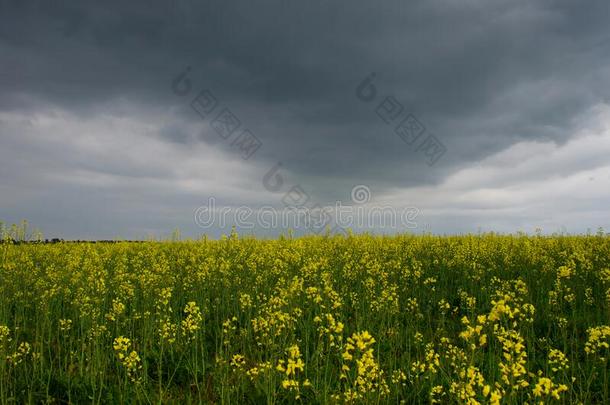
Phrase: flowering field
{"type": "Point", "coordinates": [361, 319]}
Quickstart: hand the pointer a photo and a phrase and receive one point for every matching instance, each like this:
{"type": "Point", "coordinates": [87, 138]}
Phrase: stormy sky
{"type": "Point", "coordinates": [122, 119]}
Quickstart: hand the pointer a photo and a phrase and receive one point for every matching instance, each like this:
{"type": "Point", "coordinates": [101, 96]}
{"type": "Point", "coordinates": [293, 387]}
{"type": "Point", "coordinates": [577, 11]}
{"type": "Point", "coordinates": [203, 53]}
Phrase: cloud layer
{"type": "Point", "coordinates": [94, 142]}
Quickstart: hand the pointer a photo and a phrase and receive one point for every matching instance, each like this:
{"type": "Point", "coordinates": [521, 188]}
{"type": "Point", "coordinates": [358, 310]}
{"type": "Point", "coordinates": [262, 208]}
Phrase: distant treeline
{"type": "Point", "coordinates": [11, 241]}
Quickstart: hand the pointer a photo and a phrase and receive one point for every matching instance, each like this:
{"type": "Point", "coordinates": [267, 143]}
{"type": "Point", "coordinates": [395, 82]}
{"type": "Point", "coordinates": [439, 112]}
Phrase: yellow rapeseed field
{"type": "Point", "coordinates": [490, 319]}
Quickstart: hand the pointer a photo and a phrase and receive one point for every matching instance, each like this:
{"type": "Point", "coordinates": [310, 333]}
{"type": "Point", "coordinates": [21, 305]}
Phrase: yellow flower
{"type": "Point", "coordinates": [131, 361]}
{"type": "Point", "coordinates": [558, 361]}
{"type": "Point", "coordinates": [369, 376]}
{"type": "Point", "coordinates": [23, 350]}
{"type": "Point", "coordinates": [120, 345]}
{"type": "Point", "coordinates": [546, 387]}
{"type": "Point", "coordinates": [65, 324]}
{"type": "Point", "coordinates": [238, 361]}
{"type": "Point", "coordinates": [4, 333]}
{"type": "Point", "coordinates": [191, 324]}
{"type": "Point", "coordinates": [564, 272]}
{"type": "Point", "coordinates": [598, 341]}
{"type": "Point", "coordinates": [291, 368]}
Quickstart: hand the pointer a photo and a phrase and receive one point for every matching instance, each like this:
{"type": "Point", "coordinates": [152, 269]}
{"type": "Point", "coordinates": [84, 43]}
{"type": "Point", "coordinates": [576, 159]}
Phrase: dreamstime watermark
{"type": "Point", "coordinates": [305, 211]}
{"type": "Point", "coordinates": [407, 126]}
{"type": "Point", "coordinates": [361, 194]}
{"type": "Point", "coordinates": [226, 124]}
{"type": "Point", "coordinates": [359, 216]}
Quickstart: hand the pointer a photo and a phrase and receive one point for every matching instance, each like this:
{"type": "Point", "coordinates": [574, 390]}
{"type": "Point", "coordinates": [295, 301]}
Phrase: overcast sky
{"type": "Point", "coordinates": [120, 119]}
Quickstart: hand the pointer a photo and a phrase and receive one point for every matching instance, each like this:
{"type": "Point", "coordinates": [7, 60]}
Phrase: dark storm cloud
{"type": "Point", "coordinates": [480, 75]}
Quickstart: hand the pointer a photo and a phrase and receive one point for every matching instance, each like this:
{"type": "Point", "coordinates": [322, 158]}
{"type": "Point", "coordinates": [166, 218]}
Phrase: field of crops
{"type": "Point", "coordinates": [358, 319]}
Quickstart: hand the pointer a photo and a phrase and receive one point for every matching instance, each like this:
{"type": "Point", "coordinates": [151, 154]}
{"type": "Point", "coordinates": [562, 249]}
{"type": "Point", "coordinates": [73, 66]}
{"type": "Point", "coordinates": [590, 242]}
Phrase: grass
{"type": "Point", "coordinates": [362, 319]}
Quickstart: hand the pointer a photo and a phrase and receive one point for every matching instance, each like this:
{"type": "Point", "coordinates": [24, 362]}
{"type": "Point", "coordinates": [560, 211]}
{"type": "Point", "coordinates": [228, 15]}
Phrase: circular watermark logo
{"type": "Point", "coordinates": [361, 194]}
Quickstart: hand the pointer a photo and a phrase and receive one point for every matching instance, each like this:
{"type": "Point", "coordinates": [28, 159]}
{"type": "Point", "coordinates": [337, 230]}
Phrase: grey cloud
{"type": "Point", "coordinates": [480, 75]}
